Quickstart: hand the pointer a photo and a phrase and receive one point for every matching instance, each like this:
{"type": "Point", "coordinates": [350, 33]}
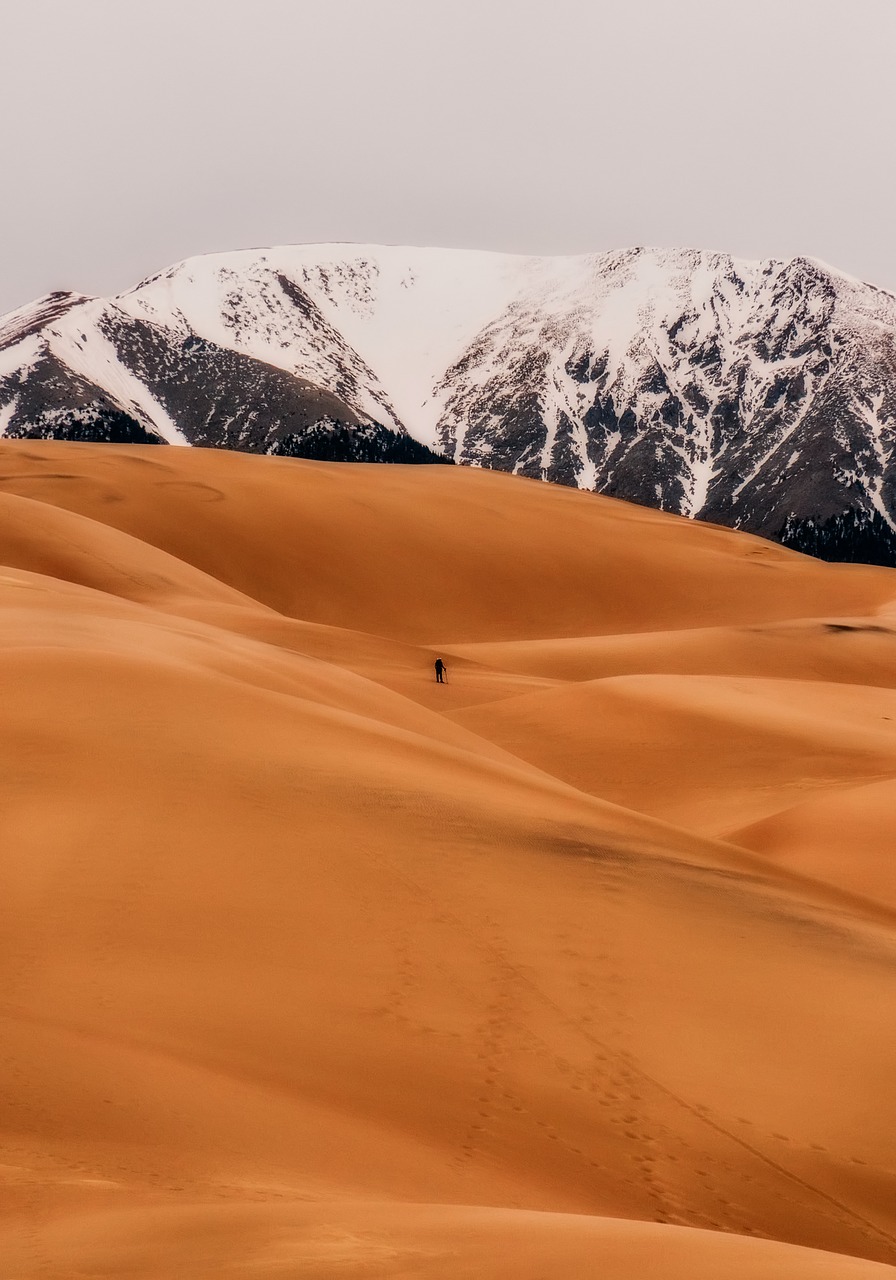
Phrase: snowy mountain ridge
{"type": "Point", "coordinates": [757, 394]}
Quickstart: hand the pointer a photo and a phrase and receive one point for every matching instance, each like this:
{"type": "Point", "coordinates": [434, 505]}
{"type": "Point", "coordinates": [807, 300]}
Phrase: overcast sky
{"type": "Point", "coordinates": [138, 132]}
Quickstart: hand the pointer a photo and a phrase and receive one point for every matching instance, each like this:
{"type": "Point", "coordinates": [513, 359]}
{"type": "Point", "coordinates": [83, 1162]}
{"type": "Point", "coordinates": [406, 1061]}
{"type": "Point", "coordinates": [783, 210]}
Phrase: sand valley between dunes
{"type": "Point", "coordinates": [580, 965]}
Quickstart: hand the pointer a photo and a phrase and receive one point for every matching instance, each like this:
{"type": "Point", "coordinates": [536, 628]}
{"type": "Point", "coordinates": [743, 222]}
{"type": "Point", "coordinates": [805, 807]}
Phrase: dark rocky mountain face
{"type": "Point", "coordinates": [165, 385]}
{"type": "Point", "coordinates": [49, 402]}
{"type": "Point", "coordinates": [760, 395]}
{"type": "Point", "coordinates": [221, 399]}
{"type": "Point", "coordinates": [762, 402]}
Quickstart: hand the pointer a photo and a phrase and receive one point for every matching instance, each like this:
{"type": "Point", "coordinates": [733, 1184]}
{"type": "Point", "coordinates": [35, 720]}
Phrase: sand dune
{"type": "Point", "coordinates": [423, 556]}
{"type": "Point", "coordinates": [843, 650]}
{"type": "Point", "coordinates": [314, 967]}
{"type": "Point", "coordinates": [426, 1241]}
{"type": "Point", "coordinates": [709, 753]}
{"type": "Point", "coordinates": [844, 837]}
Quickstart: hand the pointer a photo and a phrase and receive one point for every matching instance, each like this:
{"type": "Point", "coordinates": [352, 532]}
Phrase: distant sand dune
{"type": "Point", "coordinates": [846, 651]}
{"type": "Point", "coordinates": [312, 967]}
{"type": "Point", "coordinates": [703, 752]}
{"type": "Point", "coordinates": [421, 555]}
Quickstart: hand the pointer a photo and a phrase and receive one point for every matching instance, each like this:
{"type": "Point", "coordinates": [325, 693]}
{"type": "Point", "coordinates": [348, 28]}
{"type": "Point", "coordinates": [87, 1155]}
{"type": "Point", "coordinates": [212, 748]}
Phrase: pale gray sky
{"type": "Point", "coordinates": [138, 132]}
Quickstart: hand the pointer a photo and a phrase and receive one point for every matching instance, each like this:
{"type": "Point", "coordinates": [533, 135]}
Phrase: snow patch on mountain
{"type": "Point", "coordinates": [409, 312]}
{"type": "Point", "coordinates": [27, 320]}
{"type": "Point", "coordinates": [78, 341]}
{"type": "Point", "coordinates": [254, 303]}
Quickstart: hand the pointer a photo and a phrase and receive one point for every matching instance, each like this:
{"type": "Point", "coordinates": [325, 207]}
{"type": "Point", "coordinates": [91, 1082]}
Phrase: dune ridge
{"type": "Point", "coordinates": [581, 963]}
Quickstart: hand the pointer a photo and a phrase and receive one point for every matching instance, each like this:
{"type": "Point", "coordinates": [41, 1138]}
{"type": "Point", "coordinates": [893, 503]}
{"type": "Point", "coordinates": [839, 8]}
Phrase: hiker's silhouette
{"type": "Point", "coordinates": [440, 670]}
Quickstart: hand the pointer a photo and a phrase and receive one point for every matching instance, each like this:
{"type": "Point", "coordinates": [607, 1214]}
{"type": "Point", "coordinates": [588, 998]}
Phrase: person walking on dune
{"type": "Point", "coordinates": [441, 669]}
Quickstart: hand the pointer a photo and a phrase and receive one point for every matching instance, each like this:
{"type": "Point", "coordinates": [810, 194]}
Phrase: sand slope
{"type": "Point", "coordinates": [379, 1241]}
{"type": "Point", "coordinates": [844, 837]}
{"type": "Point", "coordinates": [709, 753]}
{"type": "Point", "coordinates": [313, 967]}
{"type": "Point", "coordinates": [843, 650]}
{"type": "Point", "coordinates": [423, 556]}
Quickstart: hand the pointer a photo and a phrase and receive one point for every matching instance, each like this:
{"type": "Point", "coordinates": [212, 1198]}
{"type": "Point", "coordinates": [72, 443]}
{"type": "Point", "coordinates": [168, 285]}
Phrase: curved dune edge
{"type": "Point", "coordinates": [707, 753]}
{"type": "Point", "coordinates": [48, 540]}
{"type": "Point", "coordinates": [429, 1242]}
{"type": "Point", "coordinates": [844, 838]}
{"type": "Point", "coordinates": [845, 650]}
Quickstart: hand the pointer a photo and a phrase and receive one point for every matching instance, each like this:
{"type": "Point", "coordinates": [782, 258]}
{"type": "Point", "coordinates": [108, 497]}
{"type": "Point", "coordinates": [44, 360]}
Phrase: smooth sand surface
{"type": "Point", "coordinates": [313, 967]}
{"type": "Point", "coordinates": [425, 558]}
{"type": "Point", "coordinates": [434, 1242]}
{"type": "Point", "coordinates": [844, 836]}
{"type": "Point", "coordinates": [709, 753]}
{"type": "Point", "coordinates": [843, 650]}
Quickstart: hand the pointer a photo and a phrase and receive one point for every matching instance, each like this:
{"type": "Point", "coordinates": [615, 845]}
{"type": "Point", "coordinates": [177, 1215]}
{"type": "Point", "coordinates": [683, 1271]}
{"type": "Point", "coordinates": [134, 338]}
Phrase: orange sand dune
{"type": "Point", "coordinates": [844, 837]}
{"type": "Point", "coordinates": [51, 540]}
{"type": "Point", "coordinates": [309, 969]}
{"type": "Point", "coordinates": [433, 554]}
{"type": "Point", "coordinates": [433, 1242]}
{"type": "Point", "coordinates": [704, 752]}
{"type": "Point", "coordinates": [843, 650]}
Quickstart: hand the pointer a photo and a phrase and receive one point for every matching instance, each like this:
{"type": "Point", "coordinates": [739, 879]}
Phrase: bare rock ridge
{"type": "Point", "coordinates": [761, 395]}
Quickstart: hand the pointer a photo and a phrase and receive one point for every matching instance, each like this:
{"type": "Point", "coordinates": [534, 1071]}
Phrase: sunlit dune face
{"type": "Point", "coordinates": [580, 962]}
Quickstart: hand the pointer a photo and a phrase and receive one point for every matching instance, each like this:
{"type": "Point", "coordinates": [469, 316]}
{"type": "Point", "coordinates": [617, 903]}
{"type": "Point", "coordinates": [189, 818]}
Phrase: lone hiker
{"type": "Point", "coordinates": [440, 669]}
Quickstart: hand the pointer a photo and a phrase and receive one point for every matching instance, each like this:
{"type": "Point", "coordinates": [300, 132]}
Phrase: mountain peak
{"type": "Point", "coordinates": [26, 320]}
{"type": "Point", "coordinates": [756, 393]}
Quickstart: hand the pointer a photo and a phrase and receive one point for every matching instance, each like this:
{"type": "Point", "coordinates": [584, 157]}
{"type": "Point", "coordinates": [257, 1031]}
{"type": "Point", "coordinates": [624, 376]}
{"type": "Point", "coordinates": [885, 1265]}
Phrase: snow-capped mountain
{"type": "Point", "coordinates": [755, 394]}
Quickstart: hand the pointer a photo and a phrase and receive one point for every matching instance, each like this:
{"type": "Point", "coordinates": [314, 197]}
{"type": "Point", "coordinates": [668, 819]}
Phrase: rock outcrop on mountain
{"type": "Point", "coordinates": [761, 395]}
